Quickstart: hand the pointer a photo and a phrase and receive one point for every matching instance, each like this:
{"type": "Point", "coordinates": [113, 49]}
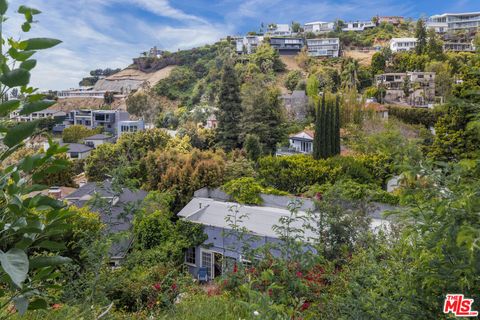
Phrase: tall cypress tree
{"type": "Point", "coordinates": [337, 126]}
{"type": "Point", "coordinates": [329, 125]}
{"type": "Point", "coordinates": [229, 110]}
{"type": "Point", "coordinates": [317, 142]}
{"type": "Point", "coordinates": [323, 132]}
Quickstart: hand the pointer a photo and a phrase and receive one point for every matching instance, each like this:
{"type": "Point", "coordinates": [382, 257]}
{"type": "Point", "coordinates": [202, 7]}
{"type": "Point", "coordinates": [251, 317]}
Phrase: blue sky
{"type": "Point", "coordinates": [109, 33]}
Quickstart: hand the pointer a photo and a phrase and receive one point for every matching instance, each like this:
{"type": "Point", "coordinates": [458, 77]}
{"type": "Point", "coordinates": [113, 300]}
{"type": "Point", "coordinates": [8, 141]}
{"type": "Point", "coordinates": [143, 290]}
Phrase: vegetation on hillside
{"type": "Point", "coordinates": [327, 264]}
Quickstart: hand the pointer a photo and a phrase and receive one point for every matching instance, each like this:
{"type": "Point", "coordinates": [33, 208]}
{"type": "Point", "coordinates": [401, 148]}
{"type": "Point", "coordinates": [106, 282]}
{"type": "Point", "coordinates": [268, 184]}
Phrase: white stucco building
{"type": "Point", "coordinates": [454, 21]}
{"type": "Point", "coordinates": [318, 26]}
{"type": "Point", "coordinates": [358, 25]}
{"type": "Point", "coordinates": [403, 44]}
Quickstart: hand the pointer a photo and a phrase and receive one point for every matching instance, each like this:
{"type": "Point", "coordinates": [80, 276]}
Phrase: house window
{"type": "Point", "coordinates": [74, 155]}
{"type": "Point", "coordinates": [190, 256]}
{"type": "Point", "coordinates": [207, 262]}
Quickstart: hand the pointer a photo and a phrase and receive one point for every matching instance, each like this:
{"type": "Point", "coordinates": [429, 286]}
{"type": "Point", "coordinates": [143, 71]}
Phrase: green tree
{"type": "Point", "coordinates": [378, 64]}
{"type": "Point", "coordinates": [229, 110]}
{"type": "Point", "coordinates": [319, 138]}
{"type": "Point", "coordinates": [267, 59]}
{"type": "Point", "coordinates": [262, 115]}
{"type": "Point", "coordinates": [313, 87]}
{"type": "Point", "coordinates": [349, 74]}
{"type": "Point", "coordinates": [296, 27]}
{"type": "Point", "coordinates": [456, 135]}
{"type": "Point", "coordinates": [292, 80]}
{"type": "Point", "coordinates": [336, 129]}
{"type": "Point", "coordinates": [443, 78]}
{"type": "Point", "coordinates": [434, 45]}
{"type": "Point", "coordinates": [406, 86]}
{"type": "Point", "coordinates": [29, 253]}
{"type": "Point", "coordinates": [329, 129]}
{"type": "Point", "coordinates": [252, 147]}
{"type": "Point", "coordinates": [421, 35]}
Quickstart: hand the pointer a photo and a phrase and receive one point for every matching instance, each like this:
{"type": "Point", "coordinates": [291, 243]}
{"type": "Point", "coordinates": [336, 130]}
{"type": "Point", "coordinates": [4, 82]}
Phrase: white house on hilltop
{"type": "Point", "coordinates": [358, 25]}
{"type": "Point", "coordinates": [454, 21]}
{"type": "Point", "coordinates": [403, 44]}
{"type": "Point", "coordinates": [318, 27]}
{"type": "Point", "coordinates": [279, 29]}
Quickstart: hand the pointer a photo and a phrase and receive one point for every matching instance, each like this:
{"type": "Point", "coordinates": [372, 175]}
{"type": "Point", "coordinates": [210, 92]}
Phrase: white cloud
{"type": "Point", "coordinates": [94, 36]}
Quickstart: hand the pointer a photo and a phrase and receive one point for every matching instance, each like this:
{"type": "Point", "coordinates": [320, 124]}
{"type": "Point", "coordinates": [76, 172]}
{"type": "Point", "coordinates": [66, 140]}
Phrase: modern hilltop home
{"type": "Point", "coordinates": [318, 27]}
{"type": "Point", "coordinates": [326, 47]}
{"type": "Point", "coordinates": [454, 21]}
{"type": "Point", "coordinates": [222, 249]}
{"type": "Point", "coordinates": [287, 46]}
{"type": "Point", "coordinates": [358, 25]}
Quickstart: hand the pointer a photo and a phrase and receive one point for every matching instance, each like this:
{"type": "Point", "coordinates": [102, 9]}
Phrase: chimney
{"type": "Point", "coordinates": [55, 192]}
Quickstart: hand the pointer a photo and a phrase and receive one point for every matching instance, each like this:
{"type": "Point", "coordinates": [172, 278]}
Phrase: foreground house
{"type": "Point", "coordinates": [302, 142]}
{"type": "Point", "coordinates": [212, 208]}
{"type": "Point", "coordinates": [326, 47]}
{"type": "Point", "coordinates": [410, 88]}
{"type": "Point", "coordinates": [116, 212]}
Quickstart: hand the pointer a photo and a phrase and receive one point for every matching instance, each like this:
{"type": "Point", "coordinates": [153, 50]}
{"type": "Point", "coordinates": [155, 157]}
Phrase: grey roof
{"type": "Point", "coordinates": [118, 218]}
{"type": "Point", "coordinates": [212, 207]}
{"type": "Point", "coordinates": [260, 220]}
{"type": "Point", "coordinates": [298, 94]}
{"type": "Point", "coordinates": [98, 137]}
{"type": "Point", "coordinates": [77, 147]}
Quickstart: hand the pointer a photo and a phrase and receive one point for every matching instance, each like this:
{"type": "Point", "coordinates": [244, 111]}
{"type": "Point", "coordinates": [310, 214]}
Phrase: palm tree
{"type": "Point", "coordinates": [350, 74]}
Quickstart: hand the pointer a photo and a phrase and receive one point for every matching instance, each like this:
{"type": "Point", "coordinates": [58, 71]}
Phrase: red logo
{"type": "Point", "coordinates": [459, 306]}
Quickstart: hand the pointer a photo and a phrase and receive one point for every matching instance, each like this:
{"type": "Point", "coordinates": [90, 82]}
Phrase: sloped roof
{"type": "Point", "coordinates": [118, 218]}
{"type": "Point", "coordinates": [77, 147]}
{"type": "Point", "coordinates": [260, 220]}
{"type": "Point", "coordinates": [305, 134]}
{"type": "Point", "coordinates": [99, 137]}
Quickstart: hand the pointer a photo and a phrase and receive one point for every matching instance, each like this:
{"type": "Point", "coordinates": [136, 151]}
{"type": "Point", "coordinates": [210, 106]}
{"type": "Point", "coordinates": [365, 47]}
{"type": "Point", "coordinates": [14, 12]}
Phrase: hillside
{"type": "Point", "coordinates": [132, 79]}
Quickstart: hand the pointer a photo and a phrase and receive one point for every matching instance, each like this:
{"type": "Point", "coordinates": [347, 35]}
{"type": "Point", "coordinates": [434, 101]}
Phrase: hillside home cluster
{"type": "Point", "coordinates": [322, 47]}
